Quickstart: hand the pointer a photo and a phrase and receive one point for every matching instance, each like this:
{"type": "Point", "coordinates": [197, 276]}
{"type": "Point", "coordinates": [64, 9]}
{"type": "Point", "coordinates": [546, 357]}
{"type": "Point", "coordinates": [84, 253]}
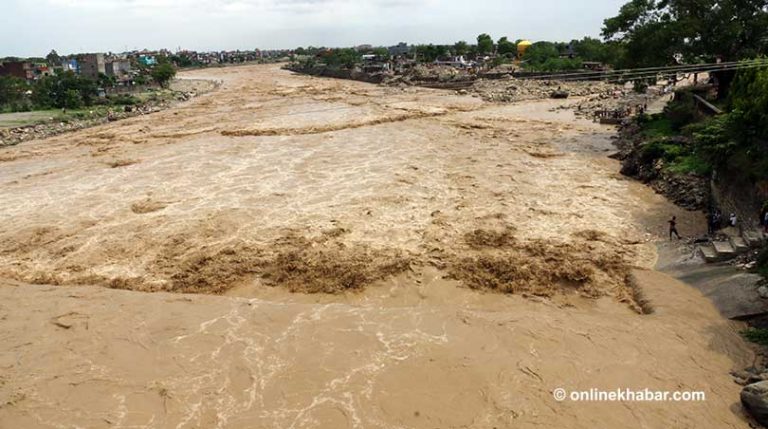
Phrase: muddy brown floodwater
{"type": "Point", "coordinates": [382, 258]}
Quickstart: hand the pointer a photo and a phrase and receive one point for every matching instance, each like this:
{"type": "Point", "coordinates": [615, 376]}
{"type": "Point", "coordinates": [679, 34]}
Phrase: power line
{"type": "Point", "coordinates": [603, 72]}
{"type": "Point", "coordinates": [651, 75]}
{"type": "Point", "coordinates": [650, 71]}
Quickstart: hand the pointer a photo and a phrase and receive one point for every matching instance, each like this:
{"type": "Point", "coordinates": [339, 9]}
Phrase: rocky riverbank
{"type": "Point", "coordinates": [690, 191]}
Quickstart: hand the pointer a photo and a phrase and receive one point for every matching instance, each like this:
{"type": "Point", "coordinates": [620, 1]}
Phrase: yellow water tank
{"type": "Point", "coordinates": [522, 47]}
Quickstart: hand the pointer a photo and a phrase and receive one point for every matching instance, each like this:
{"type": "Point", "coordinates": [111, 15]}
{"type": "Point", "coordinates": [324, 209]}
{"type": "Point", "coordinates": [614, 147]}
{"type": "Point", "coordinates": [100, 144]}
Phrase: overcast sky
{"type": "Point", "coordinates": [33, 28]}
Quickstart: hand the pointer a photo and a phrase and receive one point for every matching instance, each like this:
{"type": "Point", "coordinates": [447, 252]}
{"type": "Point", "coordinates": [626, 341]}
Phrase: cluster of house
{"type": "Point", "coordinates": [122, 68]}
{"type": "Point", "coordinates": [399, 58]}
{"type": "Point", "coordinates": [229, 57]}
{"type": "Point", "coordinates": [402, 56]}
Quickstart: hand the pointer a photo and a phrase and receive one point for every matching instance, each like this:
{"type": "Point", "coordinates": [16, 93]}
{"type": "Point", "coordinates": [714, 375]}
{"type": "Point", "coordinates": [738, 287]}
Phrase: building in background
{"type": "Point", "coordinates": [400, 50]}
{"type": "Point", "coordinates": [120, 69]}
{"type": "Point", "coordinates": [71, 65]}
{"type": "Point", "coordinates": [148, 60]}
{"type": "Point", "coordinates": [91, 65]}
{"type": "Point", "coordinates": [19, 69]}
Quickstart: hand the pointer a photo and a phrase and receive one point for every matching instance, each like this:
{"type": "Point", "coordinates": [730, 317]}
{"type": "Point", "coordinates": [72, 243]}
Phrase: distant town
{"type": "Point", "coordinates": [127, 68]}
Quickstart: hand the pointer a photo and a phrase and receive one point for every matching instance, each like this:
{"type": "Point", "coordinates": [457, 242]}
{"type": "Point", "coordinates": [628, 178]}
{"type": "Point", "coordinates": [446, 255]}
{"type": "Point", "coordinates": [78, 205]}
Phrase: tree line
{"type": "Point", "coordinates": [541, 56]}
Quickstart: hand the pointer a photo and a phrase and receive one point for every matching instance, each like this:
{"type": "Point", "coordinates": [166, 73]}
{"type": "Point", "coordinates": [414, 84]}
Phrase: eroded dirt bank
{"type": "Point", "coordinates": [409, 198]}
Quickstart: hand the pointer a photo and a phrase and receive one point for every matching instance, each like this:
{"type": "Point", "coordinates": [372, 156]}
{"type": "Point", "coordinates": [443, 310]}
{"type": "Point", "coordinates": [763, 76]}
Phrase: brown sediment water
{"type": "Point", "coordinates": [476, 257]}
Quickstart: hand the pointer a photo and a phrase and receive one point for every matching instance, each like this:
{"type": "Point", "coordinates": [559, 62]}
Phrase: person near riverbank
{"type": "Point", "coordinates": [673, 228]}
{"type": "Point", "coordinates": [711, 223]}
{"type": "Point", "coordinates": [717, 220]}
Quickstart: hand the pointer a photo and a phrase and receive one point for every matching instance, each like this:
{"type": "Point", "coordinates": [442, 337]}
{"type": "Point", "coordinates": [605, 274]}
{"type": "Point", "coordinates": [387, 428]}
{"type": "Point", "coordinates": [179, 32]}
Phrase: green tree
{"type": "Point", "coordinates": [461, 48]}
{"type": "Point", "coordinates": [163, 73]}
{"type": "Point", "coordinates": [429, 53]}
{"type": "Point", "coordinates": [106, 81]}
{"type": "Point", "coordinates": [342, 58]}
{"type": "Point", "coordinates": [381, 52]}
{"type": "Point", "coordinates": [12, 91]}
{"type": "Point", "coordinates": [71, 99]}
{"type": "Point", "coordinates": [484, 44]}
{"type": "Point", "coordinates": [545, 57]}
{"type": "Point", "coordinates": [655, 30]}
{"type": "Point", "coordinates": [64, 90]}
{"type": "Point", "coordinates": [183, 61]}
{"type": "Point", "coordinates": [541, 52]}
{"type": "Point", "coordinates": [505, 47]}
{"type": "Point", "coordinates": [749, 103]}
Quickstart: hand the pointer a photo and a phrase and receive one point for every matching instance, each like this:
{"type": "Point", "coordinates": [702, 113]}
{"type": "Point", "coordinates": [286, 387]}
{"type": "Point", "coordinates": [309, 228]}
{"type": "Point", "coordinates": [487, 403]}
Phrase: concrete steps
{"type": "Point", "coordinates": [719, 251]}
{"type": "Point", "coordinates": [709, 253]}
{"type": "Point", "coordinates": [739, 244]}
{"type": "Point", "coordinates": [754, 238]}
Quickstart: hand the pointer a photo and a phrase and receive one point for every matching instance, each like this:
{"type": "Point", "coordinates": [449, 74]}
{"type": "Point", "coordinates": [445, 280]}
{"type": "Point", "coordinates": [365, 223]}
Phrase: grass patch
{"type": "Point", "coordinates": [680, 155]}
{"type": "Point", "coordinates": [22, 119]}
{"type": "Point", "coordinates": [690, 164]}
{"type": "Point", "coordinates": [657, 126]}
{"type": "Point", "coordinates": [663, 149]}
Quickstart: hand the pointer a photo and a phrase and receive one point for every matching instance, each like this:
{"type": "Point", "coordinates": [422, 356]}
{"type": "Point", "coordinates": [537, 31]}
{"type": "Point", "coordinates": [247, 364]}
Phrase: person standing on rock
{"type": "Point", "coordinates": [718, 219]}
{"type": "Point", "coordinates": [673, 228]}
{"type": "Point", "coordinates": [711, 223]}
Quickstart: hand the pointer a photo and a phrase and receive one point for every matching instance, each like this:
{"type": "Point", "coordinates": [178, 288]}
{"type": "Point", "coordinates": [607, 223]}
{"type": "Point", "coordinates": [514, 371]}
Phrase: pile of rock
{"type": "Point", "coordinates": [510, 89]}
{"type": "Point", "coordinates": [17, 135]}
{"type": "Point", "coordinates": [429, 74]}
{"type": "Point", "coordinates": [754, 395]}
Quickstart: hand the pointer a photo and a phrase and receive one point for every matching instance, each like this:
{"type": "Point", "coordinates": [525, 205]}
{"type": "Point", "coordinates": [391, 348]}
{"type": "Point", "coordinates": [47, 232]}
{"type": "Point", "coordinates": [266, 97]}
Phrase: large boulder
{"type": "Point", "coordinates": [755, 400]}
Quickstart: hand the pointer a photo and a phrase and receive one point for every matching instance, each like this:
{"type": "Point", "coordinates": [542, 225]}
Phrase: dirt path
{"type": "Point", "coordinates": [322, 185]}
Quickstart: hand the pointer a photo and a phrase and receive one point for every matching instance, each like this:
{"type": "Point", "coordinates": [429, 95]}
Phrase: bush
{"type": "Point", "coordinates": [124, 100]}
{"type": "Point", "coordinates": [749, 101]}
{"type": "Point", "coordinates": [12, 92]}
{"type": "Point", "coordinates": [712, 139]}
{"type": "Point", "coordinates": [66, 90]}
{"type": "Point", "coordinates": [756, 335]}
{"type": "Point", "coordinates": [682, 111]}
{"type": "Point", "coordinates": [662, 149]}
{"type": "Point", "coordinates": [163, 73]}
{"type": "Point", "coordinates": [71, 99]}
{"type": "Point", "coordinates": [652, 151]}
{"type": "Point", "coordinates": [655, 126]}
{"type": "Point", "coordinates": [681, 155]}
{"type": "Point", "coordinates": [691, 164]}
